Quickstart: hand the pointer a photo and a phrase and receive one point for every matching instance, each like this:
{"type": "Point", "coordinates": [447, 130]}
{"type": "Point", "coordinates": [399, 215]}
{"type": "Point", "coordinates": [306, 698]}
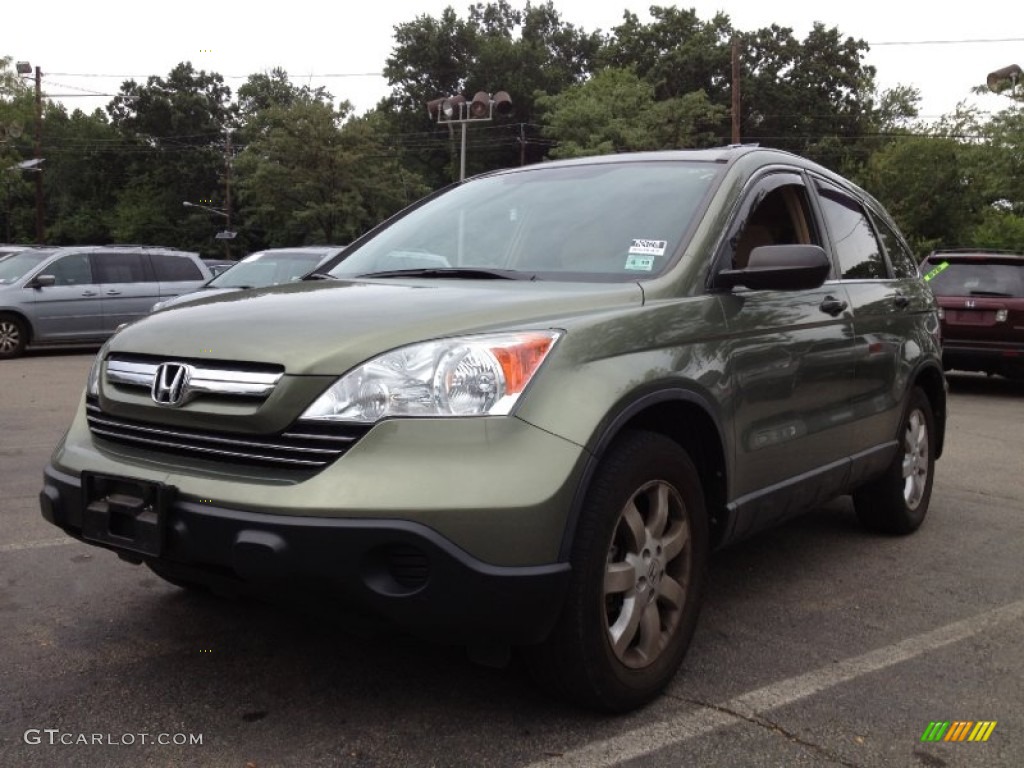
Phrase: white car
{"type": "Point", "coordinates": [260, 269]}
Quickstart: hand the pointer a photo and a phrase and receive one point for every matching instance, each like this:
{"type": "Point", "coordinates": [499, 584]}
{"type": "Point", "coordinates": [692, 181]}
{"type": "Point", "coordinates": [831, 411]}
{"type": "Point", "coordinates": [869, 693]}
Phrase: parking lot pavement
{"type": "Point", "coordinates": [819, 644]}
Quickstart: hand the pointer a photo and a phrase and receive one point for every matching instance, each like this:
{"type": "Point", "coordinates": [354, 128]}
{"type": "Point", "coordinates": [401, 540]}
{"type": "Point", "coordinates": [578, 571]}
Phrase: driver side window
{"type": "Point", "coordinates": [782, 217]}
{"type": "Point", "coordinates": [73, 269]}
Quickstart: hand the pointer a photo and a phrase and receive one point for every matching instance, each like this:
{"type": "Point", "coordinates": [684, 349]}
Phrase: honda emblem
{"type": "Point", "coordinates": [170, 385]}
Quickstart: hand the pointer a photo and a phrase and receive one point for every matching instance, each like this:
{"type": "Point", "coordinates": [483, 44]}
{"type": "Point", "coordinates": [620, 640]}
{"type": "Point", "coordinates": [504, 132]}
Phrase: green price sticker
{"type": "Point", "coordinates": [936, 271]}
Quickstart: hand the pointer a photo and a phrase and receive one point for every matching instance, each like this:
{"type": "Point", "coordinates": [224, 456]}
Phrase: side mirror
{"type": "Point", "coordinates": [42, 281]}
{"type": "Point", "coordinates": [779, 268]}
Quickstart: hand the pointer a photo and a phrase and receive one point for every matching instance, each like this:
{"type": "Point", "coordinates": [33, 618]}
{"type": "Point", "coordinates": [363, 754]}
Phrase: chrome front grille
{"type": "Point", "coordinates": [202, 379]}
{"type": "Point", "coordinates": [308, 447]}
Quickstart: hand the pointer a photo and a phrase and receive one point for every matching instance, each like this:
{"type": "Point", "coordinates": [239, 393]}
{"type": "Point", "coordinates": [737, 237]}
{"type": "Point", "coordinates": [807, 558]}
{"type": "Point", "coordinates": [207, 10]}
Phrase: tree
{"type": "Point", "coordinates": [309, 177]}
{"type": "Point", "coordinates": [616, 111]}
{"type": "Point", "coordinates": [526, 52]}
{"type": "Point", "coordinates": [929, 182]}
{"type": "Point", "coordinates": [86, 167]}
{"type": "Point", "coordinates": [16, 135]}
{"type": "Point", "coordinates": [175, 130]}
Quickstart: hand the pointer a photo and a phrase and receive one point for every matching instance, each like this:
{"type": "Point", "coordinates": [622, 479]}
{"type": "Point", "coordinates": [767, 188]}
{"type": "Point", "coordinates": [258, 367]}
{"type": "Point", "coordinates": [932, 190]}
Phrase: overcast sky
{"type": "Point", "coordinates": [343, 46]}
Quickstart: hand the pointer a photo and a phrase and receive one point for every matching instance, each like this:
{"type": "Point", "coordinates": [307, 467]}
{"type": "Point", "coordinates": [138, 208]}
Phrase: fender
{"type": "Point", "coordinates": [625, 411]}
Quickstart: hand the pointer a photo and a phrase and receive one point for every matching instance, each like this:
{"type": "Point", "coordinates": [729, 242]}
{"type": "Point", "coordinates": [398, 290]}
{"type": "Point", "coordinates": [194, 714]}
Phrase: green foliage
{"type": "Point", "coordinates": [308, 170]}
{"type": "Point", "coordinates": [615, 111]}
{"type": "Point", "coordinates": [1000, 230]}
{"type": "Point", "coordinates": [84, 174]}
{"type": "Point", "coordinates": [929, 185]}
{"type": "Point", "coordinates": [527, 52]}
{"type": "Point", "coordinates": [307, 176]}
{"type": "Point", "coordinates": [175, 134]}
{"type": "Point", "coordinates": [17, 115]}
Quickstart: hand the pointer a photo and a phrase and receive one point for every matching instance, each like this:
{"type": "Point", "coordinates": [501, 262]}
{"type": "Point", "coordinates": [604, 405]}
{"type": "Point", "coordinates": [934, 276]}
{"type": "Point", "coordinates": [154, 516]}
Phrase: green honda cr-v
{"type": "Point", "coordinates": [523, 411]}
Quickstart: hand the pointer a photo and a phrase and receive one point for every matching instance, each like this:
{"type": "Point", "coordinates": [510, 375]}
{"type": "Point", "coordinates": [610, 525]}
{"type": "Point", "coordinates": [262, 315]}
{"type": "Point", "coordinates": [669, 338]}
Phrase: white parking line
{"type": "Point", "coordinates": [650, 738]}
{"type": "Point", "coordinates": [38, 544]}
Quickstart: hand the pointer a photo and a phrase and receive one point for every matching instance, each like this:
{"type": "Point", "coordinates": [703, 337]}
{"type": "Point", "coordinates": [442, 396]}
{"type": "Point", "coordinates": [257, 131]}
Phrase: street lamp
{"type": "Point", "coordinates": [1004, 78]}
{"type": "Point", "coordinates": [24, 68]}
{"type": "Point", "coordinates": [455, 110]}
{"type": "Point", "coordinates": [227, 234]}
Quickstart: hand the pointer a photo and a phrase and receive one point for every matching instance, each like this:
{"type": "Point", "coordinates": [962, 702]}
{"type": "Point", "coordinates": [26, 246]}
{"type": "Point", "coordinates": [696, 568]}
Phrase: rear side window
{"type": "Point", "coordinates": [73, 269]}
{"type": "Point", "coordinates": [857, 248]}
{"type": "Point", "coordinates": [172, 268]}
{"type": "Point", "coordinates": [121, 268]}
{"type": "Point", "coordinates": [900, 257]}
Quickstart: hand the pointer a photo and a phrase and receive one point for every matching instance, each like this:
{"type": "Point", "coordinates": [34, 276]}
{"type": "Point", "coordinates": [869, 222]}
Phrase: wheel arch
{"type": "Point", "coordinates": [684, 416]}
{"type": "Point", "coordinates": [931, 379]}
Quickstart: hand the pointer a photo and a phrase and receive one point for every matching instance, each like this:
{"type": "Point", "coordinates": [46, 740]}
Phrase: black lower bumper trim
{"type": "Point", "coordinates": [400, 570]}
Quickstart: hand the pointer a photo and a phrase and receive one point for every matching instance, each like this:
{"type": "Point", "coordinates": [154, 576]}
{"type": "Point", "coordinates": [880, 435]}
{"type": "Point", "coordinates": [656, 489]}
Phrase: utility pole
{"type": "Point", "coordinates": [40, 235]}
{"type": "Point", "coordinates": [735, 90]}
{"type": "Point", "coordinates": [227, 193]}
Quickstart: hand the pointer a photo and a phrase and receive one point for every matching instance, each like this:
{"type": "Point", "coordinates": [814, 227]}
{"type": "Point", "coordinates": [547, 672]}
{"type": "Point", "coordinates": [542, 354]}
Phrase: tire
{"type": "Point", "coordinates": [13, 336]}
{"type": "Point", "coordinates": [897, 501]}
{"type": "Point", "coordinates": [639, 563]}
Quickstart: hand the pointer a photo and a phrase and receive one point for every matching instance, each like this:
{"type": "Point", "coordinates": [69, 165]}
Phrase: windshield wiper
{"type": "Point", "coordinates": [465, 273]}
{"type": "Point", "coordinates": [992, 293]}
{"type": "Point", "coordinates": [319, 276]}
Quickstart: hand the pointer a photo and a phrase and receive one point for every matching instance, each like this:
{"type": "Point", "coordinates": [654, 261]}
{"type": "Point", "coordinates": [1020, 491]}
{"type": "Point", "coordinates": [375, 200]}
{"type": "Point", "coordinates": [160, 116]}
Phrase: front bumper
{"type": "Point", "coordinates": [401, 570]}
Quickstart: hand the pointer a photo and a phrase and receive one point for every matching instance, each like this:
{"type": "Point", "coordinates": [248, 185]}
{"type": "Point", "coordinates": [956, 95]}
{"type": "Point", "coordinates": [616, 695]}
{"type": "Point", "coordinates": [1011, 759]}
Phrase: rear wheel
{"type": "Point", "coordinates": [897, 502]}
{"type": "Point", "coordinates": [638, 570]}
{"type": "Point", "coordinates": [13, 336]}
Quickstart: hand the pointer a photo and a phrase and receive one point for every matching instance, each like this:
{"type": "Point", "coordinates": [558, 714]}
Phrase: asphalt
{"type": "Point", "coordinates": [819, 644]}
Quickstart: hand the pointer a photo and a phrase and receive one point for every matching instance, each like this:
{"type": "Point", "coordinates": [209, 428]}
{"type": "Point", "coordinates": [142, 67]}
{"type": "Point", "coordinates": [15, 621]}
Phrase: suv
{"type": "Point", "coordinates": [981, 305]}
{"type": "Point", "coordinates": [524, 411]}
{"type": "Point", "coordinates": [83, 293]}
{"type": "Point", "coordinates": [260, 269]}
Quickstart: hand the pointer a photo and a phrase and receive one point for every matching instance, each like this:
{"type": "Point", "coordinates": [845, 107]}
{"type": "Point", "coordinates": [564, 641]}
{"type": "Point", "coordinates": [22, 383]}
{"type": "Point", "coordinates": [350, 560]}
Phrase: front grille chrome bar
{"type": "Point", "coordinates": [203, 380]}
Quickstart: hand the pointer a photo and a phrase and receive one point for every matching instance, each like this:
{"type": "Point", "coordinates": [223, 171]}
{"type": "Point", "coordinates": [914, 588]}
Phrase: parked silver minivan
{"type": "Point", "coordinates": [81, 294]}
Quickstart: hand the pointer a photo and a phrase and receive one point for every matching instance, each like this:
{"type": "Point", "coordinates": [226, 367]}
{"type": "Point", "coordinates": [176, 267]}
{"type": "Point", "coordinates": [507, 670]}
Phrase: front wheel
{"type": "Point", "coordinates": [897, 502]}
{"type": "Point", "coordinates": [638, 570]}
{"type": "Point", "coordinates": [13, 336]}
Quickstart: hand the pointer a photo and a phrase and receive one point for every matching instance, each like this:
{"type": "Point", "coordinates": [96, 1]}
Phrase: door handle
{"type": "Point", "coordinates": [901, 301]}
{"type": "Point", "coordinates": [90, 293]}
{"type": "Point", "coordinates": [832, 306]}
{"type": "Point", "coordinates": [112, 292]}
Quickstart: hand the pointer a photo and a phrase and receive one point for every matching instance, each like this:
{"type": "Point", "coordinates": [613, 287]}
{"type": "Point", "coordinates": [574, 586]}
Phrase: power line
{"type": "Point", "coordinates": [966, 41]}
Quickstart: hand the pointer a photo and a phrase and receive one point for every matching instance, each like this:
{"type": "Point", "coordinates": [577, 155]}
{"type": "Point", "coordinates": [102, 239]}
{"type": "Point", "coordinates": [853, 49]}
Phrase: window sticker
{"type": "Point", "coordinates": [639, 263]}
{"type": "Point", "coordinates": [932, 273]}
{"type": "Point", "coordinates": [642, 247]}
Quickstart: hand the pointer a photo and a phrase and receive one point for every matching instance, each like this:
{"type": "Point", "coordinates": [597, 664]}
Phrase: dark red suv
{"type": "Point", "coordinates": [981, 305]}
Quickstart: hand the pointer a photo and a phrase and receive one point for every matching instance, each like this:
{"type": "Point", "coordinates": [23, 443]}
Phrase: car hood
{"type": "Point", "coordinates": [326, 328]}
{"type": "Point", "coordinates": [202, 293]}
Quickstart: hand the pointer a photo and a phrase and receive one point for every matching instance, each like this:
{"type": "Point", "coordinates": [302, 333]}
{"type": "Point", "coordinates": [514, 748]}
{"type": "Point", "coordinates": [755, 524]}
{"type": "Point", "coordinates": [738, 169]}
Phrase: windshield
{"type": "Point", "coordinates": [264, 268]}
{"type": "Point", "coordinates": [17, 265]}
{"type": "Point", "coordinates": [606, 221]}
{"type": "Point", "coordinates": [975, 278]}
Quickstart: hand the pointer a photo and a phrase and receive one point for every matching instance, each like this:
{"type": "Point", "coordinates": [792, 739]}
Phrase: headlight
{"type": "Point", "coordinates": [465, 376]}
{"type": "Point", "coordinates": [92, 388]}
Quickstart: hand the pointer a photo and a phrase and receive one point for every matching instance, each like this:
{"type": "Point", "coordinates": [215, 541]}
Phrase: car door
{"type": "Point", "coordinates": [72, 308]}
{"type": "Point", "coordinates": [129, 287]}
{"type": "Point", "coordinates": [789, 364]}
{"type": "Point", "coordinates": [886, 307]}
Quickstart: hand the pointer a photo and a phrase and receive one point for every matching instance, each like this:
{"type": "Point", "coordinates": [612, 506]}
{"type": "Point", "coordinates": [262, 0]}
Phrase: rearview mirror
{"type": "Point", "coordinates": [42, 281]}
